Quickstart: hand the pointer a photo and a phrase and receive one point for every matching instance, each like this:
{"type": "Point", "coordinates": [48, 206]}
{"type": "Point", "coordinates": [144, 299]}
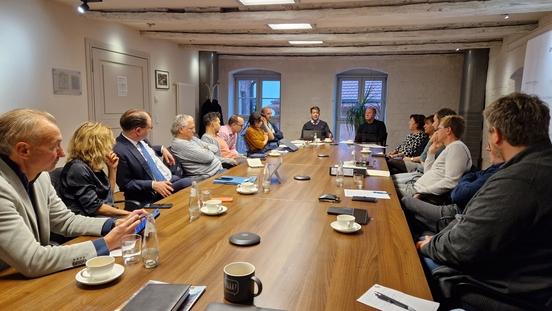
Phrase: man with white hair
{"type": "Point", "coordinates": [196, 157]}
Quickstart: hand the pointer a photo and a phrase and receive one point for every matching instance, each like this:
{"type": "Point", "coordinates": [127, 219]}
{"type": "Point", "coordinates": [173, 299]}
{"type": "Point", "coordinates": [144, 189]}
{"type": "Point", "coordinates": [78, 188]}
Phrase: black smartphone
{"type": "Point", "coordinates": [158, 206]}
{"type": "Point", "coordinates": [142, 225]}
{"type": "Point", "coordinates": [361, 215]}
{"type": "Point", "coordinates": [364, 199]}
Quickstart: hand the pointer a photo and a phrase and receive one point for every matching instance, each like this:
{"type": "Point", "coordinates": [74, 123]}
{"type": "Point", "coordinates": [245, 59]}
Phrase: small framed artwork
{"type": "Point", "coordinates": [161, 79]}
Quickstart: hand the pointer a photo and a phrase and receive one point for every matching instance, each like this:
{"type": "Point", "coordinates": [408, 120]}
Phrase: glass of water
{"type": "Point", "coordinates": [339, 175]}
{"type": "Point", "coordinates": [358, 178]}
{"type": "Point", "coordinates": [204, 196]}
{"type": "Point", "coordinates": [131, 248]}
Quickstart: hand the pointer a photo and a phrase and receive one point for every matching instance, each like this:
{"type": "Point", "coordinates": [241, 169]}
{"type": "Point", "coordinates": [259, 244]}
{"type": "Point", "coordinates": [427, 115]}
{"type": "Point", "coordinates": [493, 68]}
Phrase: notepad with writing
{"type": "Point", "coordinates": [158, 297]}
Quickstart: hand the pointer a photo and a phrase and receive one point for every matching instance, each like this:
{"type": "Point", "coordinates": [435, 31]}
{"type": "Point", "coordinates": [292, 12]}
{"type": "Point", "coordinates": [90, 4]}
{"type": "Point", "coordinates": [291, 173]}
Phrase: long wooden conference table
{"type": "Point", "coordinates": [302, 262]}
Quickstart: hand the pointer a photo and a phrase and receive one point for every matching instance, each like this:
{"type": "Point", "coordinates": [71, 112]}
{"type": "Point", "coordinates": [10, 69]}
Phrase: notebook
{"type": "Point", "coordinates": [254, 163]}
{"type": "Point", "coordinates": [159, 297]}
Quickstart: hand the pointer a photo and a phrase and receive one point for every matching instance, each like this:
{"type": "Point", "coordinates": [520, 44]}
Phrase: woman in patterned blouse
{"type": "Point", "coordinates": [415, 142]}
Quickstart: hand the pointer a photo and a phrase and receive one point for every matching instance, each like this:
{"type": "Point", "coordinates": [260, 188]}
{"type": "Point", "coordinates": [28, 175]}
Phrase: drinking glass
{"type": "Point", "coordinates": [339, 175]}
{"type": "Point", "coordinates": [204, 196]}
{"type": "Point", "coordinates": [131, 248]}
{"type": "Point", "coordinates": [358, 179]}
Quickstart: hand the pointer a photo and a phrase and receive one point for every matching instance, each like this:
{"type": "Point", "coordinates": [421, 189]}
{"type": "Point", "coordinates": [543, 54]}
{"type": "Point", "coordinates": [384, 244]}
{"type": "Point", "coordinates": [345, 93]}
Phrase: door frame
{"type": "Point", "coordinates": [93, 44]}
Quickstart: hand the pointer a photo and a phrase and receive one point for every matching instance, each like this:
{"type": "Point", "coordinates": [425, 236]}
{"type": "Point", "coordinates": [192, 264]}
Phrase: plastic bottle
{"type": "Point", "coordinates": [339, 175]}
{"type": "Point", "coordinates": [150, 244]}
{"type": "Point", "coordinates": [193, 205]}
{"type": "Point", "coordinates": [267, 178]}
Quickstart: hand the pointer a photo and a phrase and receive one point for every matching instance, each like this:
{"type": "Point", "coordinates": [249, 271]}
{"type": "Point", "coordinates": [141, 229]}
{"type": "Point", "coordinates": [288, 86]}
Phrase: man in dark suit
{"type": "Point", "coordinates": [372, 130]}
{"type": "Point", "coordinates": [142, 175]}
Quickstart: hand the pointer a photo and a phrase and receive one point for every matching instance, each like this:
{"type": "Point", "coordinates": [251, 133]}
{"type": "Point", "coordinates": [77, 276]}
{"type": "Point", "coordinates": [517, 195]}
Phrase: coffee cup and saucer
{"type": "Point", "coordinates": [99, 270]}
{"type": "Point", "coordinates": [213, 207]}
{"type": "Point", "coordinates": [345, 224]}
{"type": "Point", "coordinates": [247, 188]}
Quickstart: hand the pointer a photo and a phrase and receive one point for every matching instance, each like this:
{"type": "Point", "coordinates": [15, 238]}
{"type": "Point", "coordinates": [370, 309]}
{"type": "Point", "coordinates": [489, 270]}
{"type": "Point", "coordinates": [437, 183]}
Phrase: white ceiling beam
{"type": "Point", "coordinates": [254, 50]}
{"type": "Point", "coordinates": [473, 34]}
{"type": "Point", "coordinates": [424, 10]}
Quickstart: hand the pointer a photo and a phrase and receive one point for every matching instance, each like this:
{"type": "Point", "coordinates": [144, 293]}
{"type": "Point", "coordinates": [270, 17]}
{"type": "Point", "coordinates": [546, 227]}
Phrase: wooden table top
{"type": "Point", "coordinates": [302, 262]}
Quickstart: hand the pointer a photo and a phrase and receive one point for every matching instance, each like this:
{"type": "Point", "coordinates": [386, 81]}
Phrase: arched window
{"type": "Point", "coordinates": [256, 89]}
{"type": "Point", "coordinates": [353, 87]}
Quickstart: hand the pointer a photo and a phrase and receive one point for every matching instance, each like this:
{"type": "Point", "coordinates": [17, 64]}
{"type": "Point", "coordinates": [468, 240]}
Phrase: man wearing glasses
{"type": "Point", "coordinates": [229, 133]}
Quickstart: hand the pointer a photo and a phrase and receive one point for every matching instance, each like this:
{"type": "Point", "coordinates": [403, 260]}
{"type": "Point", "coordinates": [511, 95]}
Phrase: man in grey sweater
{"type": "Point", "coordinates": [441, 174]}
{"type": "Point", "coordinates": [502, 240]}
{"type": "Point", "coordinates": [196, 158]}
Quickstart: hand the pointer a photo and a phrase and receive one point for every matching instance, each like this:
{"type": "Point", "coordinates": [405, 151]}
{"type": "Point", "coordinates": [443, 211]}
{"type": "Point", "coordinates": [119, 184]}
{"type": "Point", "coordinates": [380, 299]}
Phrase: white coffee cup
{"type": "Point", "coordinates": [213, 205]}
{"type": "Point", "coordinates": [98, 268]}
{"type": "Point", "coordinates": [346, 221]}
{"type": "Point", "coordinates": [248, 186]}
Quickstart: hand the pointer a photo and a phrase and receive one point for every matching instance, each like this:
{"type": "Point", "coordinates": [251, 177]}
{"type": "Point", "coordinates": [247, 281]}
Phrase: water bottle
{"type": "Point", "coordinates": [315, 138]}
{"type": "Point", "coordinates": [150, 244]}
{"type": "Point", "coordinates": [339, 175]}
{"type": "Point", "coordinates": [266, 178]}
{"type": "Point", "coordinates": [193, 205]}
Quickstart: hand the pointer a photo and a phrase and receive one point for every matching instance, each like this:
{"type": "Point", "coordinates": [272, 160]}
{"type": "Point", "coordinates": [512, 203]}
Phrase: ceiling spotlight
{"type": "Point", "coordinates": [457, 49]}
{"type": "Point", "coordinates": [266, 2]}
{"type": "Point", "coordinates": [290, 26]}
{"type": "Point", "coordinates": [83, 8]}
{"type": "Point", "coordinates": [506, 16]}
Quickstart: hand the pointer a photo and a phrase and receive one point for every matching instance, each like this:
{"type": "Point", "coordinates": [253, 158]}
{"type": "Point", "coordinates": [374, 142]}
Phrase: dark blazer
{"type": "Point", "coordinates": [134, 177]}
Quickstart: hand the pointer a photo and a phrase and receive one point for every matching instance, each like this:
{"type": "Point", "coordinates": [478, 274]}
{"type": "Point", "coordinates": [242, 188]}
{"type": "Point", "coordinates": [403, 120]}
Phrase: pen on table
{"type": "Point", "coordinates": [393, 301]}
{"type": "Point", "coordinates": [380, 192]}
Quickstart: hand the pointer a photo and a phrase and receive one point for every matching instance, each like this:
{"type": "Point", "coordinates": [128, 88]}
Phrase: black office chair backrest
{"type": "Point", "coordinates": [55, 178]}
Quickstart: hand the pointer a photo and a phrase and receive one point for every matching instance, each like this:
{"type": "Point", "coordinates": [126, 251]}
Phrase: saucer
{"type": "Point", "coordinates": [115, 273]}
{"type": "Point", "coordinates": [222, 210]}
{"type": "Point", "coordinates": [335, 225]}
{"type": "Point", "coordinates": [244, 191]}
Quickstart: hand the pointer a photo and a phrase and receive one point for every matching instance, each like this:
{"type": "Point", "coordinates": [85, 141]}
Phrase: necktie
{"type": "Point", "coordinates": [157, 175]}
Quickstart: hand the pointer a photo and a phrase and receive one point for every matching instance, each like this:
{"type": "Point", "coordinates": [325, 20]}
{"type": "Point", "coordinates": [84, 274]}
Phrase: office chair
{"type": "Point", "coordinates": [461, 291]}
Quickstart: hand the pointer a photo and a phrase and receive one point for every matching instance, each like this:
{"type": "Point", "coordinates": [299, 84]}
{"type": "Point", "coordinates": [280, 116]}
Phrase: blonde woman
{"type": "Point", "coordinates": [84, 186]}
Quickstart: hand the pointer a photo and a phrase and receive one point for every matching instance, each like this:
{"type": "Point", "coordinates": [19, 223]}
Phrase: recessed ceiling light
{"type": "Point", "coordinates": [457, 49]}
{"type": "Point", "coordinates": [306, 42]}
{"type": "Point", "coordinates": [506, 16]}
{"type": "Point", "coordinates": [266, 2]}
{"type": "Point", "coordinates": [290, 26]}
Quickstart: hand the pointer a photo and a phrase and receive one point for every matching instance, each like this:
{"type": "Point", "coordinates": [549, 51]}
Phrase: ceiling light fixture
{"type": "Point", "coordinates": [266, 2]}
{"type": "Point", "coordinates": [290, 26]}
{"type": "Point", "coordinates": [457, 49]}
{"type": "Point", "coordinates": [83, 8]}
{"type": "Point", "coordinates": [305, 42]}
{"type": "Point", "coordinates": [506, 16]}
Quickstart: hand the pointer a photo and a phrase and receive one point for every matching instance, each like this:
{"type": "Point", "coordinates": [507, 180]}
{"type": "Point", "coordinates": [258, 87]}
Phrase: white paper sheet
{"type": "Point", "coordinates": [254, 162]}
{"type": "Point", "coordinates": [367, 193]}
{"type": "Point", "coordinates": [379, 173]}
{"type": "Point", "coordinates": [414, 303]}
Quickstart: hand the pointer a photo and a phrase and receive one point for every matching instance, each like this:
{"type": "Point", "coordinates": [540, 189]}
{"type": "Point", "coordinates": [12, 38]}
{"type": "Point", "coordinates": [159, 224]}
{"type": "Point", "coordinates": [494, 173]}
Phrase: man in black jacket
{"type": "Point", "coordinates": [372, 130]}
{"type": "Point", "coordinates": [502, 240]}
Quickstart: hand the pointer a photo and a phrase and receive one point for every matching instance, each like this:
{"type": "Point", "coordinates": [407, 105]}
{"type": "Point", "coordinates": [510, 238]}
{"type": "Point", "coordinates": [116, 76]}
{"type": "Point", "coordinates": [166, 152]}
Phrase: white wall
{"type": "Point", "coordinates": [38, 35]}
{"type": "Point", "coordinates": [415, 84]}
{"type": "Point", "coordinates": [505, 72]}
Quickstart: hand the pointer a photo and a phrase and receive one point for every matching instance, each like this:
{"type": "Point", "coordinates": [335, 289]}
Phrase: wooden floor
{"type": "Point", "coordinates": [303, 263]}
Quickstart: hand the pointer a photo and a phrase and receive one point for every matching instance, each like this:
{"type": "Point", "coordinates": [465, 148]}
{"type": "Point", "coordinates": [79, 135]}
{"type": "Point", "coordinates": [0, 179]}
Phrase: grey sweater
{"type": "Point", "coordinates": [196, 157]}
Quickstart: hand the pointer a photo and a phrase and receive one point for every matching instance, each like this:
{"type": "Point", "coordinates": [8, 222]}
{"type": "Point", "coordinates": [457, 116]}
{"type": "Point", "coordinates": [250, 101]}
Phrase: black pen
{"type": "Point", "coordinates": [393, 301]}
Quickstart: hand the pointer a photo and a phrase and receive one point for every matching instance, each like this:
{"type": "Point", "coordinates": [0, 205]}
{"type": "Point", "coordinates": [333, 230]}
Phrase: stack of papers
{"type": "Point", "coordinates": [367, 193]}
{"type": "Point", "coordinates": [401, 301]}
{"type": "Point", "coordinates": [234, 180]}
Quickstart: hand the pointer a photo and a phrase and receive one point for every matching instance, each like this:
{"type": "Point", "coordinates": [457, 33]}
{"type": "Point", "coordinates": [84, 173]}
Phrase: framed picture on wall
{"type": "Point", "coordinates": [161, 79]}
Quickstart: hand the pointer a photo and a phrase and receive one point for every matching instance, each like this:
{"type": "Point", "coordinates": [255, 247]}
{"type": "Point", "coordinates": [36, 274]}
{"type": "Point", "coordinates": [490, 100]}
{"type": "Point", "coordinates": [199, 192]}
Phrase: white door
{"type": "Point", "coordinates": [119, 82]}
